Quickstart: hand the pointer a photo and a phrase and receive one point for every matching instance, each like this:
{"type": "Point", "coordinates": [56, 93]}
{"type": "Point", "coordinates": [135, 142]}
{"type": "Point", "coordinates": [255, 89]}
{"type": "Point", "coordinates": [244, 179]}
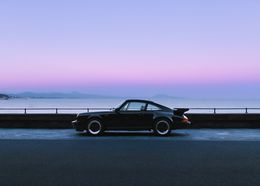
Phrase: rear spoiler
{"type": "Point", "coordinates": [180, 111]}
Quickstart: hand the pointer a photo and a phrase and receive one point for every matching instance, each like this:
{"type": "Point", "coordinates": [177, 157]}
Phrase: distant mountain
{"type": "Point", "coordinates": [4, 96]}
{"type": "Point", "coordinates": [56, 95]}
{"type": "Point", "coordinates": [77, 95]}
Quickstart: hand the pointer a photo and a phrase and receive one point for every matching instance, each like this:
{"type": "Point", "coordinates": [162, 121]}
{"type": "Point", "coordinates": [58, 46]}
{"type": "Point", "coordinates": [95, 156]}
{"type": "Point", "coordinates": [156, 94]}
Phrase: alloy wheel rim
{"type": "Point", "coordinates": [94, 127]}
{"type": "Point", "coordinates": [162, 127]}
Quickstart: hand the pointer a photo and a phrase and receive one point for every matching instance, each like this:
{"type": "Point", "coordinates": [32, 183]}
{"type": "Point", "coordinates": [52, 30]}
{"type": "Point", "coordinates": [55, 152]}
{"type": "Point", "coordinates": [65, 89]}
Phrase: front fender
{"type": "Point", "coordinates": [94, 117]}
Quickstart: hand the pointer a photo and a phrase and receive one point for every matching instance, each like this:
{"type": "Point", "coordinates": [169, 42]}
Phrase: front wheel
{"type": "Point", "coordinates": [95, 127]}
{"type": "Point", "coordinates": [162, 127]}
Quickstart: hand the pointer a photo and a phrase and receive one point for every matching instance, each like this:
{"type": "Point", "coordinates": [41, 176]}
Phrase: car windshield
{"type": "Point", "coordinates": [133, 106]}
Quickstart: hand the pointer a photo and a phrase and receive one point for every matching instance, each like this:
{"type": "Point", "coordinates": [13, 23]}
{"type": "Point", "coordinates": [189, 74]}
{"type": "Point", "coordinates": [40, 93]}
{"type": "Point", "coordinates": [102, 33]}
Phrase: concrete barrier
{"type": "Point", "coordinates": [61, 121]}
{"type": "Point", "coordinates": [64, 120]}
{"type": "Point", "coordinates": [225, 120]}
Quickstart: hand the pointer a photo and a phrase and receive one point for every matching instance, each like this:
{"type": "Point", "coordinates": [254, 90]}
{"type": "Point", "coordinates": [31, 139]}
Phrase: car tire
{"type": "Point", "coordinates": [162, 127]}
{"type": "Point", "coordinates": [95, 127]}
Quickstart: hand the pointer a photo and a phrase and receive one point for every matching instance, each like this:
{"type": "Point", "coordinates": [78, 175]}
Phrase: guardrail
{"type": "Point", "coordinates": [51, 110]}
{"type": "Point", "coordinates": [78, 110]}
{"type": "Point", "coordinates": [225, 110]}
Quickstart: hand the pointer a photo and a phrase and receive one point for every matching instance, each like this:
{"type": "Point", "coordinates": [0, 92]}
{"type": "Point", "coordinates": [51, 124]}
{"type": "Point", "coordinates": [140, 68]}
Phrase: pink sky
{"type": "Point", "coordinates": [86, 46]}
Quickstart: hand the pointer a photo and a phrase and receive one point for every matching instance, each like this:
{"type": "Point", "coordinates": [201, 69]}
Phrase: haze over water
{"type": "Point", "coordinates": [114, 102]}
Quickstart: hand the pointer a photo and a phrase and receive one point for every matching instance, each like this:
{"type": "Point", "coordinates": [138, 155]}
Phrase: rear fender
{"type": "Point", "coordinates": [164, 118]}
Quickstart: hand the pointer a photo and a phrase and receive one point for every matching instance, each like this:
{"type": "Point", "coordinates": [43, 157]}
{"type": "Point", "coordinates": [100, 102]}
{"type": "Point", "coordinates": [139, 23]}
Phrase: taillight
{"type": "Point", "coordinates": [185, 119]}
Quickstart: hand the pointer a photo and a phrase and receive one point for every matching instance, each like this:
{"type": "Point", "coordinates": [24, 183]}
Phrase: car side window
{"type": "Point", "coordinates": [134, 106]}
{"type": "Point", "coordinates": [152, 107]}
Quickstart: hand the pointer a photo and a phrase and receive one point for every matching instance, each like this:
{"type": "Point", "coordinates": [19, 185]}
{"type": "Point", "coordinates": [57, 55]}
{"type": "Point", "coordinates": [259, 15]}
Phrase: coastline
{"type": "Point", "coordinates": [4, 97]}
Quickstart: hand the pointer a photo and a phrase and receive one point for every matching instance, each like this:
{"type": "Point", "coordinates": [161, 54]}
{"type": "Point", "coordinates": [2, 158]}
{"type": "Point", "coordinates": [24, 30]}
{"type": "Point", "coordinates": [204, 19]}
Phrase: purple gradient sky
{"type": "Point", "coordinates": [131, 47]}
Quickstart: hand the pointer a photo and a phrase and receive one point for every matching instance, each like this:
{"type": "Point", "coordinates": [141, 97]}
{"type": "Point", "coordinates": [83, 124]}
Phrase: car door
{"type": "Point", "coordinates": [134, 116]}
{"type": "Point", "coordinates": [145, 120]}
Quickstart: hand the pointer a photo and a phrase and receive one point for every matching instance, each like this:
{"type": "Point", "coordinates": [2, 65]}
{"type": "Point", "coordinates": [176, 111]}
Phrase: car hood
{"type": "Point", "coordinates": [94, 113]}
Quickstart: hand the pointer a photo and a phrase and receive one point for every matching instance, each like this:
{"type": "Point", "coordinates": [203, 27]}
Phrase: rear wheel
{"type": "Point", "coordinates": [95, 127]}
{"type": "Point", "coordinates": [162, 127]}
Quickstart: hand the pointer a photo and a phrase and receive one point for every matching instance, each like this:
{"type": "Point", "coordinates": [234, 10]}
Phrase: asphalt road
{"type": "Point", "coordinates": [129, 160]}
{"type": "Point", "coordinates": [177, 135]}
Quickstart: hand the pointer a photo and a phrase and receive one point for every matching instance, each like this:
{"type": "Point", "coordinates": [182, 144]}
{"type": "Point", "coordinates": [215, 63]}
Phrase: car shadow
{"type": "Point", "coordinates": [132, 134]}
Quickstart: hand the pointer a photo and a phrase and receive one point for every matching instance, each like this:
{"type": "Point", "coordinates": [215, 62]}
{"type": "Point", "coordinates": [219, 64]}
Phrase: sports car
{"type": "Point", "coordinates": [133, 115]}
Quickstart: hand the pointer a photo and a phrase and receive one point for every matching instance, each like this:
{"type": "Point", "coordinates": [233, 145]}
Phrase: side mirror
{"type": "Point", "coordinates": [117, 110]}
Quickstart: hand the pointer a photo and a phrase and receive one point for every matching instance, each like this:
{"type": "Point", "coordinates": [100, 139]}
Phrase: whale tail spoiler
{"type": "Point", "coordinates": [180, 111]}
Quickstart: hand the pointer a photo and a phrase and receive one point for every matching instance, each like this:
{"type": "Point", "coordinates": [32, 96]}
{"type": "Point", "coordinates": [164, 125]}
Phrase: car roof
{"type": "Point", "coordinates": [148, 101]}
{"type": "Point", "coordinates": [139, 100]}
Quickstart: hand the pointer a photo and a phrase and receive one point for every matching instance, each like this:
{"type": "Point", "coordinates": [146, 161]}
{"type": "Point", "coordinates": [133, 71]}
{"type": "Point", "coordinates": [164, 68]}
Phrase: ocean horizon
{"type": "Point", "coordinates": [32, 103]}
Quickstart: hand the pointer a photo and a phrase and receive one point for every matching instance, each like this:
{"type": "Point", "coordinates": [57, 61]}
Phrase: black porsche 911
{"type": "Point", "coordinates": [132, 115]}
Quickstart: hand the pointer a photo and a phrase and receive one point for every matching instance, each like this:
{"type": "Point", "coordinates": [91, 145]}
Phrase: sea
{"type": "Point", "coordinates": [77, 105]}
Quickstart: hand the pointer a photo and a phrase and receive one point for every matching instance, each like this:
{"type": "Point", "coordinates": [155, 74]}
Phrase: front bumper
{"type": "Point", "coordinates": [77, 126]}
